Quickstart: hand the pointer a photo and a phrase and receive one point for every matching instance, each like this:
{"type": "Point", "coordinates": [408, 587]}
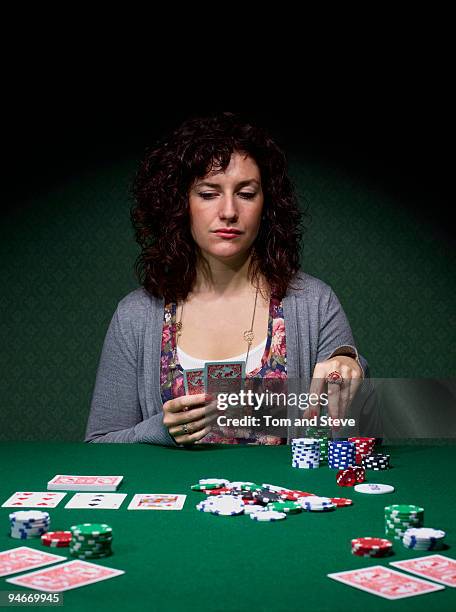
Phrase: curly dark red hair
{"type": "Point", "coordinates": [166, 266]}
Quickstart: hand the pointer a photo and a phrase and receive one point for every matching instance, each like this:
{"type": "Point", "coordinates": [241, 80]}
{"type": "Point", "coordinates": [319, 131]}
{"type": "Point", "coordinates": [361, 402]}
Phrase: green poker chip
{"type": "Point", "coordinates": [91, 529]}
{"type": "Point", "coordinates": [289, 507]}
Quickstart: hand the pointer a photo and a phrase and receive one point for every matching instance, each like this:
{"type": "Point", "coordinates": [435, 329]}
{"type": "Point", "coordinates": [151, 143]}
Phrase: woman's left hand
{"type": "Point", "coordinates": [340, 396]}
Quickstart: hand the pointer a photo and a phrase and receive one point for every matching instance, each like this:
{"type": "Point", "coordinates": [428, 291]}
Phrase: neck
{"type": "Point", "coordinates": [222, 278]}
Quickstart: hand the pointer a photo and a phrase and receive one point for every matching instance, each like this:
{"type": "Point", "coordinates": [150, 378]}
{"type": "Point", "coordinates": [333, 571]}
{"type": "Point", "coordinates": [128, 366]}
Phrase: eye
{"type": "Point", "coordinates": [207, 195]}
{"type": "Point", "coordinates": [247, 195]}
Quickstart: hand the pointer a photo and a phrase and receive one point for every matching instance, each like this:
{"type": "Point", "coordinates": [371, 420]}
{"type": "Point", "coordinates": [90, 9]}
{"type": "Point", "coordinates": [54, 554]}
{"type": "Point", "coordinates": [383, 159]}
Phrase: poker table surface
{"type": "Point", "coordinates": [190, 560]}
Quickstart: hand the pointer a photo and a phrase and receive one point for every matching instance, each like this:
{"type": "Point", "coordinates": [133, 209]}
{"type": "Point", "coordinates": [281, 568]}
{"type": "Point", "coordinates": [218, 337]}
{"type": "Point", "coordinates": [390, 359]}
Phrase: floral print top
{"type": "Point", "coordinates": [273, 365]}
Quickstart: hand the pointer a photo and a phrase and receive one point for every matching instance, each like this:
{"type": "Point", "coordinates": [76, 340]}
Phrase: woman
{"type": "Point", "coordinates": [220, 232]}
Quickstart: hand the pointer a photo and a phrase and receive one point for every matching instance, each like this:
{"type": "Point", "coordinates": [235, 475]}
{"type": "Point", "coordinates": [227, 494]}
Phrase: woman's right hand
{"type": "Point", "coordinates": [188, 417]}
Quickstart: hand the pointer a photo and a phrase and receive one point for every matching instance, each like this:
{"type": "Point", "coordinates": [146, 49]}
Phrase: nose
{"type": "Point", "coordinates": [228, 209]}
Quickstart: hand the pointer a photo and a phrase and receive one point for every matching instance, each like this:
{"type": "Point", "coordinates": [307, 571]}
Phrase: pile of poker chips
{"type": "Point", "coordinates": [321, 434]}
{"type": "Point", "coordinates": [400, 517]}
{"type": "Point", "coordinates": [341, 454]}
{"type": "Point", "coordinates": [27, 524]}
{"type": "Point", "coordinates": [350, 476]}
{"type": "Point", "coordinates": [363, 447]}
{"type": "Point", "coordinates": [424, 538]}
{"type": "Point", "coordinates": [91, 541]}
{"type": "Point", "coordinates": [305, 453]}
{"type": "Point", "coordinates": [376, 462]}
{"type": "Point", "coordinates": [56, 539]}
{"type": "Point", "coordinates": [225, 498]}
{"type": "Point", "coordinates": [371, 547]}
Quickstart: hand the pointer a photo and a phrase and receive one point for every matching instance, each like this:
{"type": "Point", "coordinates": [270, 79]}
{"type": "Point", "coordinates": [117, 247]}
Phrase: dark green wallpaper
{"type": "Point", "coordinates": [67, 258]}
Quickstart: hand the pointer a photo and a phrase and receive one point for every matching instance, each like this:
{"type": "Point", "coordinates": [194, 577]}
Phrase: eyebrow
{"type": "Point", "coordinates": [217, 185]}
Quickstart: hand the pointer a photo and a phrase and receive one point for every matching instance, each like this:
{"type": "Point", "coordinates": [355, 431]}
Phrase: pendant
{"type": "Point", "coordinates": [249, 336]}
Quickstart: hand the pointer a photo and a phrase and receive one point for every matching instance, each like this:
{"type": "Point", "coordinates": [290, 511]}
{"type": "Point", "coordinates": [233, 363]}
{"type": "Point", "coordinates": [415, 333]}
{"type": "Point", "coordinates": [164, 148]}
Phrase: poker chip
{"type": "Point", "coordinates": [373, 488]}
{"type": "Point", "coordinates": [25, 524]}
{"type": "Point", "coordinates": [224, 505]}
{"type": "Point", "coordinates": [205, 487]}
{"type": "Point", "coordinates": [221, 482]}
{"type": "Point", "coordinates": [314, 503]}
{"type": "Point", "coordinates": [268, 516]}
{"type": "Point", "coordinates": [252, 509]}
{"type": "Point", "coordinates": [293, 495]}
{"type": "Point", "coordinates": [341, 501]}
{"type": "Point", "coordinates": [56, 539]}
{"type": "Point", "coordinates": [275, 488]}
{"type": "Point", "coordinates": [289, 507]}
{"type": "Point", "coordinates": [305, 453]}
{"type": "Point", "coordinates": [371, 547]}
{"type": "Point", "coordinates": [264, 496]}
{"type": "Point", "coordinates": [423, 538]}
{"type": "Point", "coordinates": [238, 484]}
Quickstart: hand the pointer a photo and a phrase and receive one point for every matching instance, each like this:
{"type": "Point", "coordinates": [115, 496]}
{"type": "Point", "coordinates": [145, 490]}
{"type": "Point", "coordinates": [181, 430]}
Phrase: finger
{"type": "Point", "coordinates": [344, 396]}
{"type": "Point", "coordinates": [187, 401]}
{"type": "Point", "coordinates": [189, 428]}
{"type": "Point", "coordinates": [192, 438]}
{"type": "Point", "coordinates": [192, 415]}
{"type": "Point", "coordinates": [355, 383]}
{"type": "Point", "coordinates": [333, 400]}
{"type": "Point", "coordinates": [317, 385]}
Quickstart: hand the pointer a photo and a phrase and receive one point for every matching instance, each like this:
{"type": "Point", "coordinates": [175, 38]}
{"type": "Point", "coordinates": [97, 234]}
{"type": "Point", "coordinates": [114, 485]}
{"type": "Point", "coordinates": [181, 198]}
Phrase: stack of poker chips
{"type": "Point", "coordinates": [91, 541]}
{"type": "Point", "coordinates": [400, 517]}
{"type": "Point", "coordinates": [27, 524]}
{"type": "Point", "coordinates": [305, 453]}
{"type": "Point", "coordinates": [376, 462]}
{"type": "Point", "coordinates": [371, 547]}
{"type": "Point", "coordinates": [56, 539]}
{"type": "Point", "coordinates": [321, 434]}
{"type": "Point", "coordinates": [363, 446]}
{"type": "Point", "coordinates": [341, 454]}
{"type": "Point", "coordinates": [424, 538]}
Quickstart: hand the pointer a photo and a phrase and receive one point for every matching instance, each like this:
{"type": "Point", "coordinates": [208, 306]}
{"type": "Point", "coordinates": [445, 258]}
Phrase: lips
{"type": "Point", "coordinates": [228, 231]}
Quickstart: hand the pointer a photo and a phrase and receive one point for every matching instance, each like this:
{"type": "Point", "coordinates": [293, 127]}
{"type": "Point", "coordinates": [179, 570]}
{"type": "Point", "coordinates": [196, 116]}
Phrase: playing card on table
{"type": "Point", "coordinates": [224, 376]}
{"type": "Point", "coordinates": [66, 482]}
{"type": "Point", "coordinates": [33, 499]}
{"type": "Point", "coordinates": [435, 567]}
{"type": "Point", "coordinates": [24, 558]}
{"type": "Point", "coordinates": [385, 582]}
{"type": "Point", "coordinates": [157, 501]}
{"type": "Point", "coordinates": [65, 576]}
{"type": "Point", "coordinates": [104, 501]}
{"type": "Point", "coordinates": [194, 381]}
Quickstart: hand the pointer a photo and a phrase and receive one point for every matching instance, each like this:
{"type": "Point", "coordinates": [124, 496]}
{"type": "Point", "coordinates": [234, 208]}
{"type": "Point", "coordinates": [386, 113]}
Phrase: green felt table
{"type": "Point", "coordinates": [176, 560]}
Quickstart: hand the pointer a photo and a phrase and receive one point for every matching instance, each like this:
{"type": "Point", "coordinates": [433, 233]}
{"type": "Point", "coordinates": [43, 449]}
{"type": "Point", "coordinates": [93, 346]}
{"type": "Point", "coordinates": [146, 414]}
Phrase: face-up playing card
{"type": "Point", "coordinates": [435, 567]}
{"type": "Point", "coordinates": [105, 501]}
{"type": "Point", "coordinates": [65, 482]}
{"type": "Point", "coordinates": [157, 501]}
{"type": "Point", "coordinates": [65, 576]}
{"type": "Point", "coordinates": [385, 582]}
{"type": "Point", "coordinates": [24, 558]}
{"type": "Point", "coordinates": [194, 381]}
{"type": "Point", "coordinates": [34, 499]}
{"type": "Point", "coordinates": [223, 377]}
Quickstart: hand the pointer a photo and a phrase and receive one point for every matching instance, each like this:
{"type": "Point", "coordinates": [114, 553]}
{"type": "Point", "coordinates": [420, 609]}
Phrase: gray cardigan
{"type": "Point", "coordinates": [126, 404]}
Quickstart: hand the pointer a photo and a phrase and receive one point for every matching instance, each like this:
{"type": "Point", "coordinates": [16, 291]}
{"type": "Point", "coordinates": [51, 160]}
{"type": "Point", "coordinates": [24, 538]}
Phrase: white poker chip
{"type": "Point", "coordinates": [374, 489]}
{"type": "Point", "coordinates": [252, 508]}
{"type": "Point", "coordinates": [209, 481]}
{"type": "Point", "coordinates": [268, 515]}
{"type": "Point", "coordinates": [425, 533]}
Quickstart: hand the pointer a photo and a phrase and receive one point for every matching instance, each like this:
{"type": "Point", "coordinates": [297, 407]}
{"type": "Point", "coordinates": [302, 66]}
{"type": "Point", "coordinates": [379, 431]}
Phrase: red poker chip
{"type": "Point", "coordinates": [341, 501]}
{"type": "Point", "coordinates": [294, 495]}
{"type": "Point", "coordinates": [369, 544]}
{"type": "Point", "coordinates": [220, 491]}
{"type": "Point", "coordinates": [56, 538]}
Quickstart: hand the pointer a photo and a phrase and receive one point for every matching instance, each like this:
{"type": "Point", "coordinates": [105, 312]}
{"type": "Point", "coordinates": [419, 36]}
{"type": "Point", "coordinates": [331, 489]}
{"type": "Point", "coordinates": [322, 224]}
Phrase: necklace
{"type": "Point", "coordinates": [248, 334]}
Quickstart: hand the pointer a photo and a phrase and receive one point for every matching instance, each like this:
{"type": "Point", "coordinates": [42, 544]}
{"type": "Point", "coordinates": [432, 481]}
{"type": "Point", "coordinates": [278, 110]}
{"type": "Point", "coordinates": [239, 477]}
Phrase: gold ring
{"type": "Point", "coordinates": [185, 428]}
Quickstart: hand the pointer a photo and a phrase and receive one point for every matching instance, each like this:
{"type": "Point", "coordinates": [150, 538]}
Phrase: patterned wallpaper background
{"type": "Point", "coordinates": [67, 259]}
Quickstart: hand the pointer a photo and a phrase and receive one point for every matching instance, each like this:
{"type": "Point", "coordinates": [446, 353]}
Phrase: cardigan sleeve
{"type": "Point", "coordinates": [335, 335]}
{"type": "Point", "coordinates": [115, 410]}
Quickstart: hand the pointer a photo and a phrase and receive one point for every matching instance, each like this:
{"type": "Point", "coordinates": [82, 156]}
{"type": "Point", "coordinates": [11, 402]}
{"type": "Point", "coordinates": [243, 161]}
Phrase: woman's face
{"type": "Point", "coordinates": [227, 200]}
